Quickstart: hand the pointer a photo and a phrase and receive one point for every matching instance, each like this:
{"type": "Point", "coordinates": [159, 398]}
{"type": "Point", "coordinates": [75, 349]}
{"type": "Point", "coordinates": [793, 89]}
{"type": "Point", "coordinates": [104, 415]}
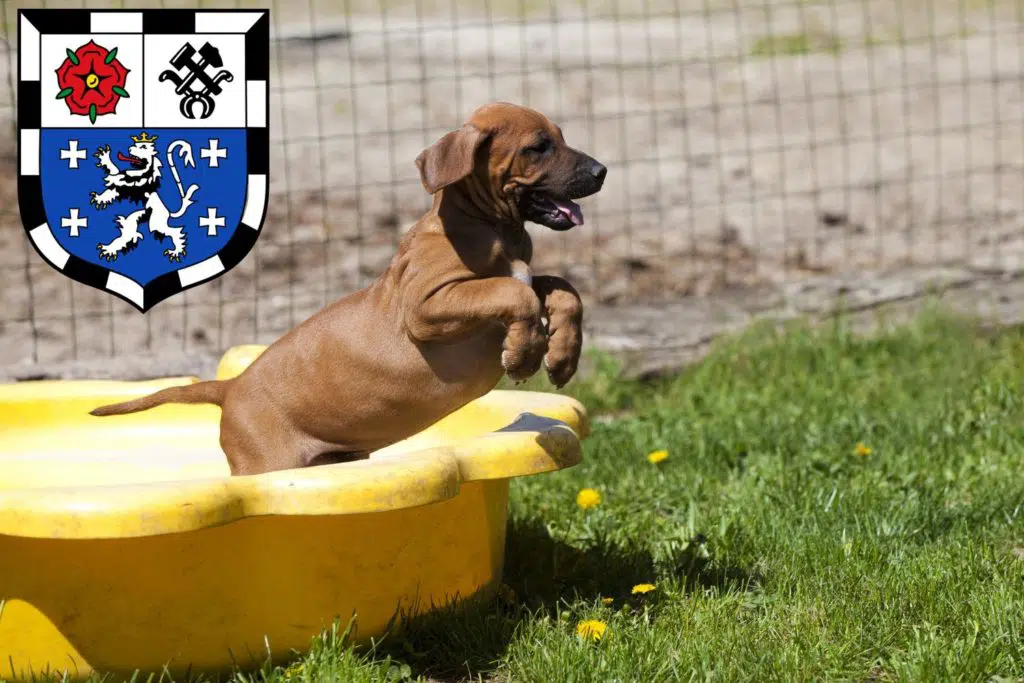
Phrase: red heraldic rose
{"type": "Point", "coordinates": [92, 81]}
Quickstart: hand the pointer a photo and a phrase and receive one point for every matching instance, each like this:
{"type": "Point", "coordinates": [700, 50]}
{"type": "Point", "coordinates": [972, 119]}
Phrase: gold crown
{"type": "Point", "coordinates": [143, 137]}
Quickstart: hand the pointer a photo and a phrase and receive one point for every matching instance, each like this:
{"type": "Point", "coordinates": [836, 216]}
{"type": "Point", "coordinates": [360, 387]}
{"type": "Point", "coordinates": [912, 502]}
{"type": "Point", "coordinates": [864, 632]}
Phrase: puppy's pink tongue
{"type": "Point", "coordinates": [570, 209]}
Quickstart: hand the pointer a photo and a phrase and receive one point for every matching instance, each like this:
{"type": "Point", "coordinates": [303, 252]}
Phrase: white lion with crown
{"type": "Point", "coordinates": [139, 185]}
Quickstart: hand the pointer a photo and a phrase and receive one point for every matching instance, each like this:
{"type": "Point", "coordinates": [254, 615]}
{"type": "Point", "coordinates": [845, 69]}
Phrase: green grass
{"type": "Point", "coordinates": [777, 552]}
{"type": "Point", "coordinates": [791, 44]}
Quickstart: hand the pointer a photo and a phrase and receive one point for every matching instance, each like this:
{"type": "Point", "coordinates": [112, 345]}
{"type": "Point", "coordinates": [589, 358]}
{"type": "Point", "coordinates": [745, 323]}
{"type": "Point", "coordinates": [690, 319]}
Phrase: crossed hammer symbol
{"type": "Point", "coordinates": [208, 56]}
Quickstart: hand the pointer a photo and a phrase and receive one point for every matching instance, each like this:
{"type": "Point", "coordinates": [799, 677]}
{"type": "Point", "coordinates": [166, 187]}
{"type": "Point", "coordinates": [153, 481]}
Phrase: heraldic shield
{"type": "Point", "coordinates": [143, 144]}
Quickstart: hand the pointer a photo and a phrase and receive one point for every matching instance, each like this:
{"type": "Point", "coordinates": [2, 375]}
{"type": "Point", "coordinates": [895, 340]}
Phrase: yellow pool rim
{"type": "Point", "coordinates": [426, 469]}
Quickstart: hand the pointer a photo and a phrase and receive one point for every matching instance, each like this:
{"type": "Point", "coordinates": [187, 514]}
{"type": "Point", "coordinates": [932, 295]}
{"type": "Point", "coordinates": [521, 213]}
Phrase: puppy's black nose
{"type": "Point", "coordinates": [599, 171]}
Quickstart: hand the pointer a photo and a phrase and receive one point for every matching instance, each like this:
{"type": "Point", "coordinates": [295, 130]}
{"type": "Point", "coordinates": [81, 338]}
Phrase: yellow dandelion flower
{"type": "Point", "coordinates": [657, 456]}
{"type": "Point", "coordinates": [294, 671]}
{"type": "Point", "coordinates": [588, 498]}
{"type": "Point", "coordinates": [591, 629]}
{"type": "Point", "coordinates": [642, 588]}
{"type": "Point", "coordinates": [861, 450]}
{"type": "Point", "coordinates": [607, 601]}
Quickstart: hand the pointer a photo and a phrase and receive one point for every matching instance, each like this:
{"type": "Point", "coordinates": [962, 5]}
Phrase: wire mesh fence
{"type": "Point", "coordinates": [748, 143]}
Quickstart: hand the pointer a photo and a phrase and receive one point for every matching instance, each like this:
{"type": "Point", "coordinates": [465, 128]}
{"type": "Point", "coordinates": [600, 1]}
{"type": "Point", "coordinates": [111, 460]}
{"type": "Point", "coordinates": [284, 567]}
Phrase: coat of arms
{"type": "Point", "coordinates": [143, 144]}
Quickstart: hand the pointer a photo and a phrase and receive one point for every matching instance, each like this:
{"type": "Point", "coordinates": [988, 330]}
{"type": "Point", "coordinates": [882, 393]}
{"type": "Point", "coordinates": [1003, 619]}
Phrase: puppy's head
{"type": "Point", "coordinates": [520, 161]}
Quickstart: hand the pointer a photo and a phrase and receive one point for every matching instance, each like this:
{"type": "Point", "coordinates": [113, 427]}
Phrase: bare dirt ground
{"type": "Point", "coordinates": [750, 146]}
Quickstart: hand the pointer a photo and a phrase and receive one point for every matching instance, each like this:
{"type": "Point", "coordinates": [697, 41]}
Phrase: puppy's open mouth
{"type": "Point", "coordinates": [133, 160]}
{"type": "Point", "coordinates": [553, 212]}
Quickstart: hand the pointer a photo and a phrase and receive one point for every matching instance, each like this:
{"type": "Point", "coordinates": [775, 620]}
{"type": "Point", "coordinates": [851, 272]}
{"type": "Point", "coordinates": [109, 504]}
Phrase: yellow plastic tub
{"type": "Point", "coordinates": [125, 545]}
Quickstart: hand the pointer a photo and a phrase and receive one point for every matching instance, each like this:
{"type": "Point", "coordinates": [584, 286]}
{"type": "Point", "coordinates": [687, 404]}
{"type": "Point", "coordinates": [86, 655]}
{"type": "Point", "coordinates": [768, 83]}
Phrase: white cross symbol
{"type": "Point", "coordinates": [74, 222]}
{"type": "Point", "coordinates": [213, 153]}
{"type": "Point", "coordinates": [73, 154]}
{"type": "Point", "coordinates": [211, 222]}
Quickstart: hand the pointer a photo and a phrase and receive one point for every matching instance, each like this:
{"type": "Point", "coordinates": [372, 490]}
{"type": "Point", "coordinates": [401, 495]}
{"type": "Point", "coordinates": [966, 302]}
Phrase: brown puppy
{"type": "Point", "coordinates": [455, 309]}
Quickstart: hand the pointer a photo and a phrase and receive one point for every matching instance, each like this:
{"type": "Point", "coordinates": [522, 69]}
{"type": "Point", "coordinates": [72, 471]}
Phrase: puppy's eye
{"type": "Point", "coordinates": [539, 147]}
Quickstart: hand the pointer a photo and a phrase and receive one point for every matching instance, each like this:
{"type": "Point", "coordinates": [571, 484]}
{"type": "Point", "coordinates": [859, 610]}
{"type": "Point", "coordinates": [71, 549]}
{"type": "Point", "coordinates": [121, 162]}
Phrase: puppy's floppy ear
{"type": "Point", "coordinates": [450, 159]}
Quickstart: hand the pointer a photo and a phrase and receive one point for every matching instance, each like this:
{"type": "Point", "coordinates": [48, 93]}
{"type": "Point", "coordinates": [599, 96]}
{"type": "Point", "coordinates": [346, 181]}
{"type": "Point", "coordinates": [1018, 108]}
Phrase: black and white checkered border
{"type": "Point", "coordinates": [30, 192]}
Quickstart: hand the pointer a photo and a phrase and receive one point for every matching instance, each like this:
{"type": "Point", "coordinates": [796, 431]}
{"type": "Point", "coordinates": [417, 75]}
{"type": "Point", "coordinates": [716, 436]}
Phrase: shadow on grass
{"type": "Point", "coordinates": [545, 575]}
{"type": "Point", "coordinates": [545, 572]}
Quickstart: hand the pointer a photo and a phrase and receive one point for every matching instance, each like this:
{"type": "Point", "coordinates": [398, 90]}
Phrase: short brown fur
{"type": "Point", "coordinates": [454, 310]}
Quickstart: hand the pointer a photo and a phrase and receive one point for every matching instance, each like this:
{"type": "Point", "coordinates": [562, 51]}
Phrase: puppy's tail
{"type": "Point", "coordinates": [201, 392]}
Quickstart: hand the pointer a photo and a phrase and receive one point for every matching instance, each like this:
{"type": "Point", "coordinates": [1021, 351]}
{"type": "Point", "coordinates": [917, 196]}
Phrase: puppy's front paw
{"type": "Point", "coordinates": [524, 349]}
{"type": "Point", "coordinates": [563, 356]}
{"type": "Point", "coordinates": [560, 368]}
